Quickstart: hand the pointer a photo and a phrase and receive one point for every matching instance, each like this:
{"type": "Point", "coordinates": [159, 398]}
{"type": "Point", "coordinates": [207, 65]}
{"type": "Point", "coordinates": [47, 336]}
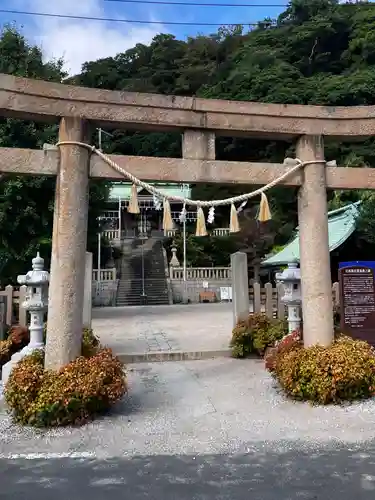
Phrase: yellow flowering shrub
{"type": "Point", "coordinates": [18, 337]}
{"type": "Point", "coordinates": [73, 395]}
{"type": "Point", "coordinates": [344, 371]}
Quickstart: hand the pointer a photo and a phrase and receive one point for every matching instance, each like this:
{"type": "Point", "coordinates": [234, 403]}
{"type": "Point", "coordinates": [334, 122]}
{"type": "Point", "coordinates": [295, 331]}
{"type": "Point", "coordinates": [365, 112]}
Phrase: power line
{"type": "Point", "coordinates": [209, 4]}
{"type": "Point", "coordinates": [114, 20]}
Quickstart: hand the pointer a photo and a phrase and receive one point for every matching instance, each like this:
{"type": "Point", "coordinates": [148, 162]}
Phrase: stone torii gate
{"type": "Point", "coordinates": [199, 120]}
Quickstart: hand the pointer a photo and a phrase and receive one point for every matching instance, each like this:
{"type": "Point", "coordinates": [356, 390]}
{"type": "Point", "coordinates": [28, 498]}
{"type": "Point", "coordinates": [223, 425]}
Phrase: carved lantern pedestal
{"type": "Point", "coordinates": [36, 303]}
{"type": "Point", "coordinates": [291, 279]}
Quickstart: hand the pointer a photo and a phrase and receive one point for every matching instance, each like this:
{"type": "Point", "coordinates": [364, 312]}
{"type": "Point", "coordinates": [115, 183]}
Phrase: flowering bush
{"type": "Point", "coordinates": [5, 351]}
{"type": "Point", "coordinates": [72, 395]}
{"type": "Point", "coordinates": [256, 334]}
{"type": "Point", "coordinates": [90, 342]}
{"type": "Point", "coordinates": [18, 337]}
{"type": "Point", "coordinates": [288, 342]}
{"type": "Point", "coordinates": [344, 371]}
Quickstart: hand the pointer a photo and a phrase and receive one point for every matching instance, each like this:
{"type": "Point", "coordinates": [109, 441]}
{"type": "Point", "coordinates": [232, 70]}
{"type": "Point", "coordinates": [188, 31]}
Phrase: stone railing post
{"type": "Point", "coordinates": [87, 302]}
{"type": "Point", "coordinates": [317, 307]}
{"type": "Point", "coordinates": [240, 287]}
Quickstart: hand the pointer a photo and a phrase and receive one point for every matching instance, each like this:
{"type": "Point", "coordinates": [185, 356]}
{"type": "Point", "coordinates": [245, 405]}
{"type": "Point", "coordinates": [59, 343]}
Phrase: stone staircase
{"type": "Point", "coordinates": [131, 290]}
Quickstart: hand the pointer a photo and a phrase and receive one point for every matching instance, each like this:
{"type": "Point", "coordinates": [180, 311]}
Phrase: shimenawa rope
{"type": "Point", "coordinates": [187, 201]}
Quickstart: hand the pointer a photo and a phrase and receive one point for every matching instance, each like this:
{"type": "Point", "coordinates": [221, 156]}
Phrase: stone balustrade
{"type": "Point", "coordinates": [201, 273]}
{"type": "Point", "coordinates": [170, 233]}
{"type": "Point", "coordinates": [105, 274]}
{"type": "Point", "coordinates": [220, 231]}
{"type": "Point", "coordinates": [111, 234]}
{"type": "Point", "coordinates": [114, 236]}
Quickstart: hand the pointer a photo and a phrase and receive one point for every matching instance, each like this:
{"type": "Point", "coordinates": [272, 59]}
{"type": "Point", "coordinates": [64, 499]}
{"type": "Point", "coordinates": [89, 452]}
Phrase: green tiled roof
{"type": "Point", "coordinates": [341, 224]}
{"type": "Point", "coordinates": [122, 190]}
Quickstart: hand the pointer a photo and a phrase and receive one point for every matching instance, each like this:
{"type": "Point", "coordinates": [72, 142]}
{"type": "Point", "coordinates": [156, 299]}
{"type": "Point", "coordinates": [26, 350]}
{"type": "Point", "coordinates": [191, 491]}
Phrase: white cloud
{"type": "Point", "coordinates": [78, 41]}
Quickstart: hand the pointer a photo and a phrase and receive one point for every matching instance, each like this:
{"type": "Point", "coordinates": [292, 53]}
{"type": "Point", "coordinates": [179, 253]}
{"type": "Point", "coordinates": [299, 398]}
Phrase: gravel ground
{"type": "Point", "coordinates": [213, 429]}
{"type": "Point", "coordinates": [199, 407]}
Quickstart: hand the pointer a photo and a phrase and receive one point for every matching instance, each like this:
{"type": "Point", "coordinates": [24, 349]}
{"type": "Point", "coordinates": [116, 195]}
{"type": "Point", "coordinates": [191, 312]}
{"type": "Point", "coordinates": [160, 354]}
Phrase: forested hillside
{"type": "Point", "coordinates": [26, 203]}
{"type": "Point", "coordinates": [316, 52]}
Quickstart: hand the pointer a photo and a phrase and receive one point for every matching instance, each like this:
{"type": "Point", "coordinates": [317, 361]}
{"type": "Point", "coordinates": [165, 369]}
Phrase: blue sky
{"type": "Point", "coordinates": [78, 41]}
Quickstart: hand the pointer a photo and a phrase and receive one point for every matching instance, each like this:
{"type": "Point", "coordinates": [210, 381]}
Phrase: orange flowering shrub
{"type": "Point", "coordinates": [18, 337]}
{"type": "Point", "coordinates": [344, 371]}
{"type": "Point", "coordinates": [288, 342]}
{"type": "Point", "coordinates": [90, 342]}
{"type": "Point", "coordinates": [73, 395]}
{"type": "Point", "coordinates": [6, 351]}
{"type": "Point", "coordinates": [25, 382]}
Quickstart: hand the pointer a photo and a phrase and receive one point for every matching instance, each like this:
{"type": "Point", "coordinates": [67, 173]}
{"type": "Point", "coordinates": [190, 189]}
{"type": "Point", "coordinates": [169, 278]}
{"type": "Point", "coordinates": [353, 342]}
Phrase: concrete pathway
{"type": "Point", "coordinates": [203, 430]}
{"type": "Point", "coordinates": [156, 330]}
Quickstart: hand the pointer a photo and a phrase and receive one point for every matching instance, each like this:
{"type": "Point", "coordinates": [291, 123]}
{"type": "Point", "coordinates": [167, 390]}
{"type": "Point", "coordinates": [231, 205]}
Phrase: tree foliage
{"type": "Point", "coordinates": [319, 52]}
{"type": "Point", "coordinates": [26, 203]}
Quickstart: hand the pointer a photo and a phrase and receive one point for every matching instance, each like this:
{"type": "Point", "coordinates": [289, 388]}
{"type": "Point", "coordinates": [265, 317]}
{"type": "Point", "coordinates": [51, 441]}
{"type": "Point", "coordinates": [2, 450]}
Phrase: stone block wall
{"type": "Point", "coordinates": [105, 294]}
{"type": "Point", "coordinates": [193, 289]}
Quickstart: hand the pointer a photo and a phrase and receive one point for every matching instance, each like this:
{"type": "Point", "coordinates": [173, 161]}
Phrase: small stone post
{"type": "Point", "coordinates": [240, 287]}
{"type": "Point", "coordinates": [317, 305]}
{"type": "Point", "coordinates": [87, 299]}
{"type": "Point", "coordinates": [36, 303]}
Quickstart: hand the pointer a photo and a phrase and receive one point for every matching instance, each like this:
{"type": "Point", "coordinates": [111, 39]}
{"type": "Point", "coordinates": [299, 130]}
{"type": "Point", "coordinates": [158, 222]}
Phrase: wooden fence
{"type": "Point", "coordinates": [12, 311]}
{"type": "Point", "coordinates": [267, 299]}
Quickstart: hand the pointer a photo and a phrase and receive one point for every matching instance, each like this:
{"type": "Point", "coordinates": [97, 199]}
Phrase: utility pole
{"type": "Point", "coordinates": [100, 137]}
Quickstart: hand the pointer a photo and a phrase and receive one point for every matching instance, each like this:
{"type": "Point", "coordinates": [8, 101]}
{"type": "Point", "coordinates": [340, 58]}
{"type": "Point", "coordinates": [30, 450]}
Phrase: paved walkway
{"type": "Point", "coordinates": [213, 430]}
{"type": "Point", "coordinates": [152, 329]}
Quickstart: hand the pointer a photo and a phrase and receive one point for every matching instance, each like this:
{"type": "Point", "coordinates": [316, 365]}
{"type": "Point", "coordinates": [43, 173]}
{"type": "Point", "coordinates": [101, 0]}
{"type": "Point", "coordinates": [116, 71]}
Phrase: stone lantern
{"type": "Point", "coordinates": [174, 262]}
{"type": "Point", "coordinates": [36, 303]}
{"type": "Point", "coordinates": [291, 279]}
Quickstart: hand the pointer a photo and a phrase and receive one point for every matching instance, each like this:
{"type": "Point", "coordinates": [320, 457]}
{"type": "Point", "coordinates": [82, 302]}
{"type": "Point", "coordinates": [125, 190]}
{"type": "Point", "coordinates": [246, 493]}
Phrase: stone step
{"type": "Point", "coordinates": [138, 292]}
{"type": "Point", "coordinates": [127, 296]}
{"type": "Point", "coordinates": [133, 266]}
{"type": "Point", "coordinates": [140, 302]}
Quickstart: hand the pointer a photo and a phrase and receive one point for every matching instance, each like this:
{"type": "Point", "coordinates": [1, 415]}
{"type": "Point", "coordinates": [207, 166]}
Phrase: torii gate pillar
{"type": "Point", "coordinates": [66, 291]}
{"type": "Point", "coordinates": [317, 306]}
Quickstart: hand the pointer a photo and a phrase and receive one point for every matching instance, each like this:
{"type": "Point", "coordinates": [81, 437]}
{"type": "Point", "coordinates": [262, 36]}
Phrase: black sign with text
{"type": "Point", "coordinates": [357, 302]}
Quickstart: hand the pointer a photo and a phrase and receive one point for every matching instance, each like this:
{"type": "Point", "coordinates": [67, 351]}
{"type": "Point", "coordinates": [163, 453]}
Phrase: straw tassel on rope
{"type": "Point", "coordinates": [264, 209]}
{"type": "Point", "coordinates": [201, 223]}
{"type": "Point", "coordinates": [234, 225]}
{"type": "Point", "coordinates": [167, 217]}
{"type": "Point", "coordinates": [133, 207]}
